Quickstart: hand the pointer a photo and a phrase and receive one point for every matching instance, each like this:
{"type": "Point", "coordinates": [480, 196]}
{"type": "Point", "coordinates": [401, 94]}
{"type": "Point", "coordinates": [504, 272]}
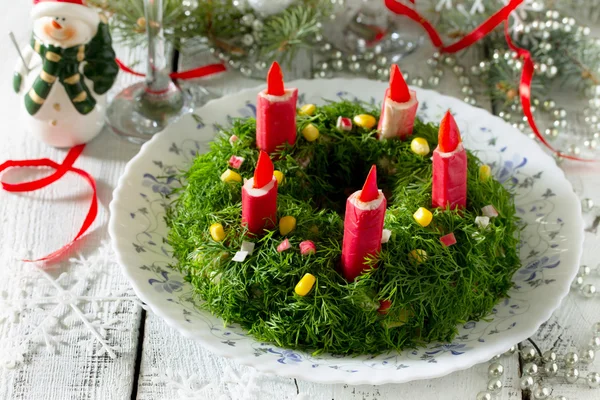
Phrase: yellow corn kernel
{"type": "Point", "coordinates": [217, 232]}
{"type": "Point", "coordinates": [419, 146]}
{"type": "Point", "coordinates": [485, 172]}
{"type": "Point", "coordinates": [287, 224]}
{"type": "Point", "coordinates": [365, 121]}
{"type": "Point", "coordinates": [304, 286]}
{"type": "Point", "coordinates": [310, 133]}
{"type": "Point", "coordinates": [279, 176]}
{"type": "Point", "coordinates": [307, 110]}
{"type": "Point", "coordinates": [417, 255]}
{"type": "Point", "coordinates": [423, 216]}
{"type": "Point", "coordinates": [231, 176]}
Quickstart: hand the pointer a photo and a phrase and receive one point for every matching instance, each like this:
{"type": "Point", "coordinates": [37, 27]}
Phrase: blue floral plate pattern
{"type": "Point", "coordinates": [550, 248]}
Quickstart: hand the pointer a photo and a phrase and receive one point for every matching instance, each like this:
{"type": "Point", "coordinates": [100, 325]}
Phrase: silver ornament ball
{"type": "Point", "coordinates": [432, 62]}
{"type": "Point", "coordinates": [588, 290]}
{"type": "Point", "coordinates": [551, 369]}
{"type": "Point", "coordinates": [584, 269]}
{"type": "Point", "coordinates": [475, 70]}
{"type": "Point", "coordinates": [337, 65]}
{"type": "Point", "coordinates": [528, 353]}
{"type": "Point", "coordinates": [596, 326]}
{"type": "Point", "coordinates": [495, 370]}
{"type": "Point", "coordinates": [578, 282]}
{"type": "Point", "coordinates": [541, 392]}
{"type": "Point", "coordinates": [571, 359]}
{"type": "Point", "coordinates": [417, 81]}
{"type": "Point", "coordinates": [526, 382]}
{"type": "Point", "coordinates": [438, 72]}
{"type": "Point", "coordinates": [247, 19]}
{"type": "Point", "coordinates": [549, 104]}
{"type": "Point", "coordinates": [246, 70]}
{"type": "Point", "coordinates": [549, 356]}
{"type": "Point", "coordinates": [458, 70]}
{"type": "Point", "coordinates": [593, 380]}
{"type": "Point", "coordinates": [450, 61]}
{"type": "Point", "coordinates": [355, 67]}
{"type": "Point", "coordinates": [571, 374]}
{"type": "Point", "coordinates": [530, 369]}
{"type": "Point", "coordinates": [371, 69]}
{"type": "Point", "coordinates": [470, 100]}
{"type": "Point", "coordinates": [383, 61]}
{"type": "Point", "coordinates": [247, 40]}
{"type": "Point", "coordinates": [464, 80]}
{"type": "Point", "coordinates": [433, 81]}
{"type": "Point", "coordinates": [260, 65]}
{"type": "Point", "coordinates": [368, 56]}
{"type": "Point", "coordinates": [325, 48]}
{"type": "Point", "coordinates": [383, 74]}
{"type": "Point", "coordinates": [235, 64]}
{"type": "Point", "coordinates": [494, 385]}
{"type": "Point", "coordinates": [258, 26]}
{"type": "Point", "coordinates": [484, 396]}
{"type": "Point", "coordinates": [468, 90]}
{"type": "Point", "coordinates": [587, 355]}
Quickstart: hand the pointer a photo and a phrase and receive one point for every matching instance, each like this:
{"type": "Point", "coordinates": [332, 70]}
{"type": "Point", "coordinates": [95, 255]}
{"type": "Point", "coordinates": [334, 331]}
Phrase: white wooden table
{"type": "Point", "coordinates": [78, 331]}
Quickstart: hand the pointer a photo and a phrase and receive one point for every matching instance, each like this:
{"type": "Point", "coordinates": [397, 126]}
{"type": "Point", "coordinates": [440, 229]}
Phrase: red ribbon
{"type": "Point", "coordinates": [478, 33]}
{"type": "Point", "coordinates": [184, 75]}
{"type": "Point", "coordinates": [60, 171]}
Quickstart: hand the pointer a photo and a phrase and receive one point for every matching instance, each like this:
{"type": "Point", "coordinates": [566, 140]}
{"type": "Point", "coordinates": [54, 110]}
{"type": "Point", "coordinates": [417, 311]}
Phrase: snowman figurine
{"type": "Point", "coordinates": [70, 67]}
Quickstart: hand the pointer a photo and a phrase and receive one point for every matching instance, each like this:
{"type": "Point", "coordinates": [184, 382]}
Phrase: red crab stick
{"type": "Point", "coordinates": [449, 186]}
{"type": "Point", "coordinates": [275, 113]}
{"type": "Point", "coordinates": [259, 197]}
{"type": "Point", "coordinates": [399, 108]}
{"type": "Point", "coordinates": [363, 227]}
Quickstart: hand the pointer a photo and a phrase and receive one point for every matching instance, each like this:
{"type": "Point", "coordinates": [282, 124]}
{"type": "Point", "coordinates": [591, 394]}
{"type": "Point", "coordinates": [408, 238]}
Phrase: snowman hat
{"type": "Point", "coordinates": [65, 8]}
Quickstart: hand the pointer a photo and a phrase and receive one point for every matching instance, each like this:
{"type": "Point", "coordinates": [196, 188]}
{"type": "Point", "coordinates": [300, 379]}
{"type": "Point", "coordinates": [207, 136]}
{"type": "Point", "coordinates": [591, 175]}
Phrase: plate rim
{"type": "Point", "coordinates": [477, 358]}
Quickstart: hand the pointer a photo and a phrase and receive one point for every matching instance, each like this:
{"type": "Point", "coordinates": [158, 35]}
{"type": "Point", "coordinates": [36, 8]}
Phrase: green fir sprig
{"type": "Point", "coordinates": [429, 300]}
{"type": "Point", "coordinates": [219, 24]}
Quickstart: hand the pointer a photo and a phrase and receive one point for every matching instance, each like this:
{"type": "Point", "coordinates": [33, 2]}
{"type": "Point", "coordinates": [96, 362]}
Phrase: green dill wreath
{"type": "Point", "coordinates": [429, 296]}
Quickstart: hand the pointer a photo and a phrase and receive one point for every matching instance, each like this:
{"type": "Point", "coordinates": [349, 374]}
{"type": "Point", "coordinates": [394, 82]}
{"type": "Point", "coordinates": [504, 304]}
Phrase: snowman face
{"type": "Point", "coordinates": [62, 31]}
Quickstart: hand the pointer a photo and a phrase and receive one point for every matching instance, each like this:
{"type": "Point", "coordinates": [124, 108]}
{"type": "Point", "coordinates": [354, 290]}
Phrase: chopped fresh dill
{"type": "Point", "coordinates": [429, 300]}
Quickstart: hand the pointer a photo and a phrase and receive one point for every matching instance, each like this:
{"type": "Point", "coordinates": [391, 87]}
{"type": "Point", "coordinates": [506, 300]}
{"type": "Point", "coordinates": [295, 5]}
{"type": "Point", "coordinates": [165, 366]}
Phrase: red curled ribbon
{"type": "Point", "coordinates": [478, 33]}
{"type": "Point", "coordinates": [61, 170]}
{"type": "Point", "coordinates": [184, 75]}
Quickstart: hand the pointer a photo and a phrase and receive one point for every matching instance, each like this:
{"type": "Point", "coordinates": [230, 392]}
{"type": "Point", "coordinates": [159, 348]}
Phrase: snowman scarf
{"type": "Point", "coordinates": [63, 64]}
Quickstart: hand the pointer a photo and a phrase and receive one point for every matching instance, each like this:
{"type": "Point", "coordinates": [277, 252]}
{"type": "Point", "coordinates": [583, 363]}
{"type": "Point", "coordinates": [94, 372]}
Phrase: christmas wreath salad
{"type": "Point", "coordinates": [320, 229]}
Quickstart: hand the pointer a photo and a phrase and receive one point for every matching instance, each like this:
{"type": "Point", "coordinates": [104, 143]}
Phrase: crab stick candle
{"type": "Point", "coordinates": [399, 108]}
{"type": "Point", "coordinates": [449, 186]}
{"type": "Point", "coordinates": [275, 113]}
{"type": "Point", "coordinates": [363, 227]}
{"type": "Point", "coordinates": [259, 197]}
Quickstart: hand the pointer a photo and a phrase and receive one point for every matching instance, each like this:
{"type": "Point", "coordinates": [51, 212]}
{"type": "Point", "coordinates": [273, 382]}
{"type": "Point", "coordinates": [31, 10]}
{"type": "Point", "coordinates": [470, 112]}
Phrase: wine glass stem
{"type": "Point", "coordinates": [157, 78]}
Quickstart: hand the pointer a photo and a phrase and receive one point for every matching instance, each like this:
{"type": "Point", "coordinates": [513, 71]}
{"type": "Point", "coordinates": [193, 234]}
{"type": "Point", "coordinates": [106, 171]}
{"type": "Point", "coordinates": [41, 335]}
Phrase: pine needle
{"type": "Point", "coordinates": [429, 300]}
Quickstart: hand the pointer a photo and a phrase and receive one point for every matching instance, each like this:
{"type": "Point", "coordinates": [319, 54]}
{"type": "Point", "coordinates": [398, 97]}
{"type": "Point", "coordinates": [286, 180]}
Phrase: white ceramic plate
{"type": "Point", "coordinates": [550, 251]}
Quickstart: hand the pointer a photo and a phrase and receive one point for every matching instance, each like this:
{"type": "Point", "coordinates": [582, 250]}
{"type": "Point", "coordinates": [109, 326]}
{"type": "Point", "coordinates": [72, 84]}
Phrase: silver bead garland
{"type": "Point", "coordinates": [538, 368]}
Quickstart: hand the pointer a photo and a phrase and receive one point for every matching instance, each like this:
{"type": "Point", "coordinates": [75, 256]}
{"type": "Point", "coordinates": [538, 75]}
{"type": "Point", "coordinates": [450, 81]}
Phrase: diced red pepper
{"type": "Point", "coordinates": [448, 240]}
{"type": "Point", "coordinates": [283, 246]}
